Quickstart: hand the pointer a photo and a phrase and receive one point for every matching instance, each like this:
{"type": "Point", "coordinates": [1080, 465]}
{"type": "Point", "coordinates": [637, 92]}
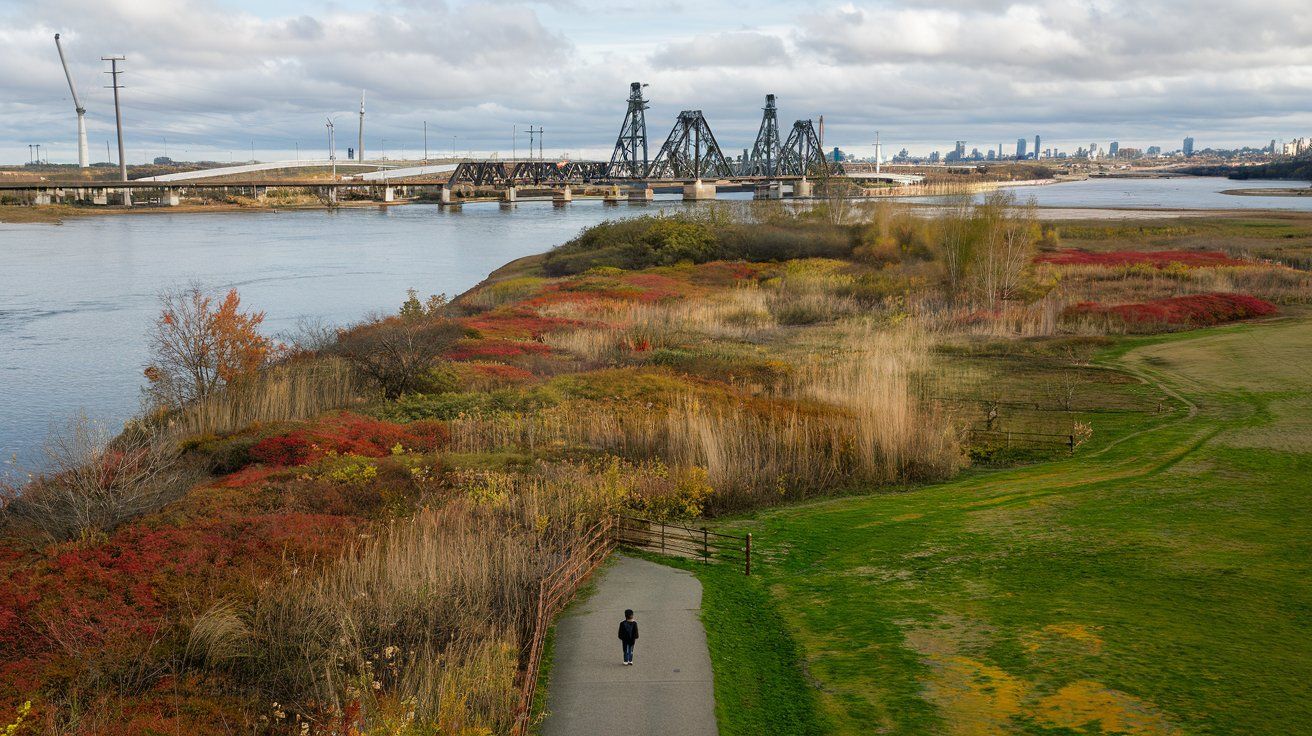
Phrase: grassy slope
{"type": "Point", "coordinates": [1153, 584]}
{"type": "Point", "coordinates": [759, 689]}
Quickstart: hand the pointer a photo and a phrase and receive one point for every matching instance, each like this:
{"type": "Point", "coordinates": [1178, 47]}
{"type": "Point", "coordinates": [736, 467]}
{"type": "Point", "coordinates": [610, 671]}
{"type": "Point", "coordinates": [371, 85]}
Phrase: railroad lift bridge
{"type": "Point", "coordinates": [690, 158]}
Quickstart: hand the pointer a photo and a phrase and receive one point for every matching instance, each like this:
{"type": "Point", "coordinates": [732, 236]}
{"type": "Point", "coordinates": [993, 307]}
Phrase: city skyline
{"type": "Point", "coordinates": [212, 79]}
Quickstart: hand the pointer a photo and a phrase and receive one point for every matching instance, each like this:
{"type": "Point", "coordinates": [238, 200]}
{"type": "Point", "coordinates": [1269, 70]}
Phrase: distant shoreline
{"type": "Point", "coordinates": [1273, 192]}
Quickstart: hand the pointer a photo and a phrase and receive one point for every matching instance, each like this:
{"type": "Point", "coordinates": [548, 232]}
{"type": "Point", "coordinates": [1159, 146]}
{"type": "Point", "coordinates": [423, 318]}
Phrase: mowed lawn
{"type": "Point", "coordinates": [1160, 582]}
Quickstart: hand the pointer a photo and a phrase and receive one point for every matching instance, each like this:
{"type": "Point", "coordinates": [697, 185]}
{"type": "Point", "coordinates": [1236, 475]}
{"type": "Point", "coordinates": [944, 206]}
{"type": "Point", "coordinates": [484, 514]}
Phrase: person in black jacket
{"type": "Point", "coordinates": [628, 635]}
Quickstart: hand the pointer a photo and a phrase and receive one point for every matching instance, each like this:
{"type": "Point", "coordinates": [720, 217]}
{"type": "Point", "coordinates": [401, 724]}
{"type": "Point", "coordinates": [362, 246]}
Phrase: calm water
{"type": "Point", "coordinates": [76, 299]}
{"type": "Point", "coordinates": [1182, 193]}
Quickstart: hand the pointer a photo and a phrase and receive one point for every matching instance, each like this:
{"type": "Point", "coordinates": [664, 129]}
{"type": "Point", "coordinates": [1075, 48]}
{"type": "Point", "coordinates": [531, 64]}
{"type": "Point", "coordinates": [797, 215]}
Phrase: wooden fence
{"type": "Point", "coordinates": [682, 541]}
{"type": "Point", "coordinates": [555, 591]}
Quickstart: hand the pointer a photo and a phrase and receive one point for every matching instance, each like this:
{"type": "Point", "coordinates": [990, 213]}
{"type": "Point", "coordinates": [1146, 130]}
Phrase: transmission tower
{"type": "Point", "coordinates": [624, 162]}
{"type": "Point", "coordinates": [690, 152]}
{"type": "Point", "coordinates": [764, 159]}
{"type": "Point", "coordinates": [801, 154]}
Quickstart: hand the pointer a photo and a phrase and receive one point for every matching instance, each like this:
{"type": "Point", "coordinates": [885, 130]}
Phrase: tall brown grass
{"type": "Point", "coordinates": [419, 626]}
{"type": "Point", "coordinates": [295, 390]}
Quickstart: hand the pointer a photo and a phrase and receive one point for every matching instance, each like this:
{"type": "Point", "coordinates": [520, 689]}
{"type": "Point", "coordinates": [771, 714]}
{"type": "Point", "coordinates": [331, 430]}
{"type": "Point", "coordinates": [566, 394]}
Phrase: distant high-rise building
{"type": "Point", "coordinates": [1020, 149]}
{"type": "Point", "coordinates": [1188, 146]}
{"type": "Point", "coordinates": [1114, 149]}
{"type": "Point", "coordinates": [1037, 147]}
{"type": "Point", "coordinates": [1271, 149]}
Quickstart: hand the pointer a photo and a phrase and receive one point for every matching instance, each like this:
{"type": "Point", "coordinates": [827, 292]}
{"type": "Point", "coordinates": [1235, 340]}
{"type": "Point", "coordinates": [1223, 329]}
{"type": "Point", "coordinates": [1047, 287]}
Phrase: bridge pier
{"type": "Point", "coordinates": [169, 197]}
{"type": "Point", "coordinates": [801, 189]}
{"type": "Point", "coordinates": [508, 197]}
{"type": "Point", "coordinates": [698, 190]}
{"type": "Point", "coordinates": [41, 197]}
{"type": "Point", "coordinates": [641, 193]}
{"type": "Point", "coordinates": [389, 194]}
{"type": "Point", "coordinates": [768, 190]}
{"type": "Point", "coordinates": [445, 200]}
{"type": "Point", "coordinates": [613, 196]}
{"type": "Point", "coordinates": [562, 197]}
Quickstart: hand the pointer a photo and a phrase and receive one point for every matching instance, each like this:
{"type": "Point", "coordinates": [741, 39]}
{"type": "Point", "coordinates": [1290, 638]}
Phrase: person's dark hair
{"type": "Point", "coordinates": [628, 613]}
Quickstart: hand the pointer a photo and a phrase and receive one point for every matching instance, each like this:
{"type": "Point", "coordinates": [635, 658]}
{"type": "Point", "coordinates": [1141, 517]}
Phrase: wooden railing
{"type": "Point", "coordinates": [555, 591]}
{"type": "Point", "coordinates": [683, 541]}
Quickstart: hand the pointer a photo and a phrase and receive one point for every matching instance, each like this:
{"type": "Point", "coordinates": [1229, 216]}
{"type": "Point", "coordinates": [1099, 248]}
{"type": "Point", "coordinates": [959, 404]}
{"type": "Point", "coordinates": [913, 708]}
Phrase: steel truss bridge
{"type": "Point", "coordinates": [690, 153]}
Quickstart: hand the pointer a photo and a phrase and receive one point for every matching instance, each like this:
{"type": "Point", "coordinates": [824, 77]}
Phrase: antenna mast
{"type": "Point", "coordinates": [83, 156]}
{"type": "Point", "coordinates": [359, 148]}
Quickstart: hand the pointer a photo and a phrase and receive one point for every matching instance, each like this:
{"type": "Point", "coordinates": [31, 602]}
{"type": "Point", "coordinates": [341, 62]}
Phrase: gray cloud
{"type": "Point", "coordinates": [211, 79]}
{"type": "Point", "coordinates": [734, 49]}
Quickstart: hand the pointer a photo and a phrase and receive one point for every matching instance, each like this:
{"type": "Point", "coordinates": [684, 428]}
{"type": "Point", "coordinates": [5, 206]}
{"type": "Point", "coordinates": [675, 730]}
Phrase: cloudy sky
{"type": "Point", "coordinates": [212, 79]}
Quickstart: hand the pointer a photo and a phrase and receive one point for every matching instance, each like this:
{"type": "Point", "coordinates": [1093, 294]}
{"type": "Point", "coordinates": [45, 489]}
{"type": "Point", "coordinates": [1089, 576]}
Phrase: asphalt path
{"type": "Point", "coordinates": [668, 690]}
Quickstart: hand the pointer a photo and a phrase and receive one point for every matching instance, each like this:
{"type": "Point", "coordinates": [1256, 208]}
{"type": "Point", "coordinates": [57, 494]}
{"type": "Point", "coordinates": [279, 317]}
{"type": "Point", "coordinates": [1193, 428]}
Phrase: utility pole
{"type": "Point", "coordinates": [332, 158]}
{"type": "Point", "coordinates": [878, 152]}
{"type": "Point", "coordinates": [425, 141]}
{"type": "Point", "coordinates": [359, 147]}
{"type": "Point", "coordinates": [531, 134]}
{"type": "Point", "coordinates": [118, 113]}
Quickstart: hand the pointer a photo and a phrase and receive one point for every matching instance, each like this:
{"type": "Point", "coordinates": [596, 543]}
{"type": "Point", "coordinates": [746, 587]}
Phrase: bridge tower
{"type": "Point", "coordinates": [690, 151]}
{"type": "Point", "coordinates": [764, 159]}
{"type": "Point", "coordinates": [624, 162]}
{"type": "Point", "coordinates": [801, 154]}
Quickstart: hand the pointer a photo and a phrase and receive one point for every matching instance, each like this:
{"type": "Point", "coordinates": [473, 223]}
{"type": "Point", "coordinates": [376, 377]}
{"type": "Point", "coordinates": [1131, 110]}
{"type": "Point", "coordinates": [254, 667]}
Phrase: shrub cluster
{"type": "Point", "coordinates": [661, 240]}
{"type": "Point", "coordinates": [1196, 310]}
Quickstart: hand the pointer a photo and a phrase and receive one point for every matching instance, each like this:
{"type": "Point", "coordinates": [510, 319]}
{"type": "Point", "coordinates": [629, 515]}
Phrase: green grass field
{"type": "Point", "coordinates": [1155, 583]}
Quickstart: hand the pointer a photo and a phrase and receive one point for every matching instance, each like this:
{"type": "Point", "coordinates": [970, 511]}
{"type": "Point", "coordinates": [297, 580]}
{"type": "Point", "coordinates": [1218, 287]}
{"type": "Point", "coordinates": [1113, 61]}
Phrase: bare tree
{"type": "Point", "coordinates": [397, 353]}
{"type": "Point", "coordinates": [96, 481]}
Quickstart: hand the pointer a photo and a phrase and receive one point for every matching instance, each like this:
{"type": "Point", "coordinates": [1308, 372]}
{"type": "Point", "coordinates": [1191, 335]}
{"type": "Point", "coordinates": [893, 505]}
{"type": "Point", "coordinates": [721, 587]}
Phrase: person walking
{"type": "Point", "coordinates": [628, 635]}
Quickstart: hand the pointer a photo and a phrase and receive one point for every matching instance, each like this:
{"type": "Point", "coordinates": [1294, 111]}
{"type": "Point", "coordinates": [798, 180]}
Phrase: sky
{"type": "Point", "coordinates": [217, 80]}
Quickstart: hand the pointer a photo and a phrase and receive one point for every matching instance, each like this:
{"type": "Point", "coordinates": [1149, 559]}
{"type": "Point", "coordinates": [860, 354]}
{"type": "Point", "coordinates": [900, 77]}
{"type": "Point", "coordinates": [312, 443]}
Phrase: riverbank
{"type": "Point", "coordinates": [56, 213]}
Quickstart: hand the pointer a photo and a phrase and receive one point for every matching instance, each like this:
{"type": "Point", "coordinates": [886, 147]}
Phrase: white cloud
{"type": "Point", "coordinates": [212, 76]}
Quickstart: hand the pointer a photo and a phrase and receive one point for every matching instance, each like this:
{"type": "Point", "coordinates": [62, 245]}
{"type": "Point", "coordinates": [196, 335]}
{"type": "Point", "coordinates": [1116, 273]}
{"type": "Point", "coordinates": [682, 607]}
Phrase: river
{"type": "Point", "coordinates": [76, 299]}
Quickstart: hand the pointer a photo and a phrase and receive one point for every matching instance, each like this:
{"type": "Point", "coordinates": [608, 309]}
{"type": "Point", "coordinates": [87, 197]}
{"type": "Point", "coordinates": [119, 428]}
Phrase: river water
{"type": "Point", "coordinates": [76, 299]}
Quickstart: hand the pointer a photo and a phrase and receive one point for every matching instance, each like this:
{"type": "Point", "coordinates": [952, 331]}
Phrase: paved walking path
{"type": "Point", "coordinates": [667, 692]}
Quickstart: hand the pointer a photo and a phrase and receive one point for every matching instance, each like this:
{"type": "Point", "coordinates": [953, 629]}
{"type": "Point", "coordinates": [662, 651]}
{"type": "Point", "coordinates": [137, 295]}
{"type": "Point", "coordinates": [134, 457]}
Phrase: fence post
{"type": "Point", "coordinates": [1071, 440]}
{"type": "Point", "coordinates": [662, 537]}
{"type": "Point", "coordinates": [706, 545]}
{"type": "Point", "coordinates": [747, 568]}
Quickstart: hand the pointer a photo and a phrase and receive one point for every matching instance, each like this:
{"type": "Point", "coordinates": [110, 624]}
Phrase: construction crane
{"type": "Point", "coordinates": [83, 155]}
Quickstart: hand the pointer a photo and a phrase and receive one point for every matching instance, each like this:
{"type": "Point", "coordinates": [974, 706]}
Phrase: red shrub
{"type": "Point", "coordinates": [347, 433]}
{"type": "Point", "coordinates": [1158, 259]}
{"type": "Point", "coordinates": [516, 322]}
{"type": "Point", "coordinates": [724, 273]}
{"type": "Point", "coordinates": [489, 349]}
{"type": "Point", "coordinates": [1194, 310]}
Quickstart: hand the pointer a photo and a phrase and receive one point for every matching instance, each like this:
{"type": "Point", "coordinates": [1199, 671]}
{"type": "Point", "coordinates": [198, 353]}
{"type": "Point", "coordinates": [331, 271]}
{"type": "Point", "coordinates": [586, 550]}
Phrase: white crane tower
{"type": "Point", "coordinates": [83, 155]}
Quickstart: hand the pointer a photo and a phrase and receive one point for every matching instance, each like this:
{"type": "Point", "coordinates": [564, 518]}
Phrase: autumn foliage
{"type": "Point", "coordinates": [1195, 310]}
{"type": "Point", "coordinates": [1156, 259]}
{"type": "Point", "coordinates": [348, 434]}
{"type": "Point", "coordinates": [199, 344]}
